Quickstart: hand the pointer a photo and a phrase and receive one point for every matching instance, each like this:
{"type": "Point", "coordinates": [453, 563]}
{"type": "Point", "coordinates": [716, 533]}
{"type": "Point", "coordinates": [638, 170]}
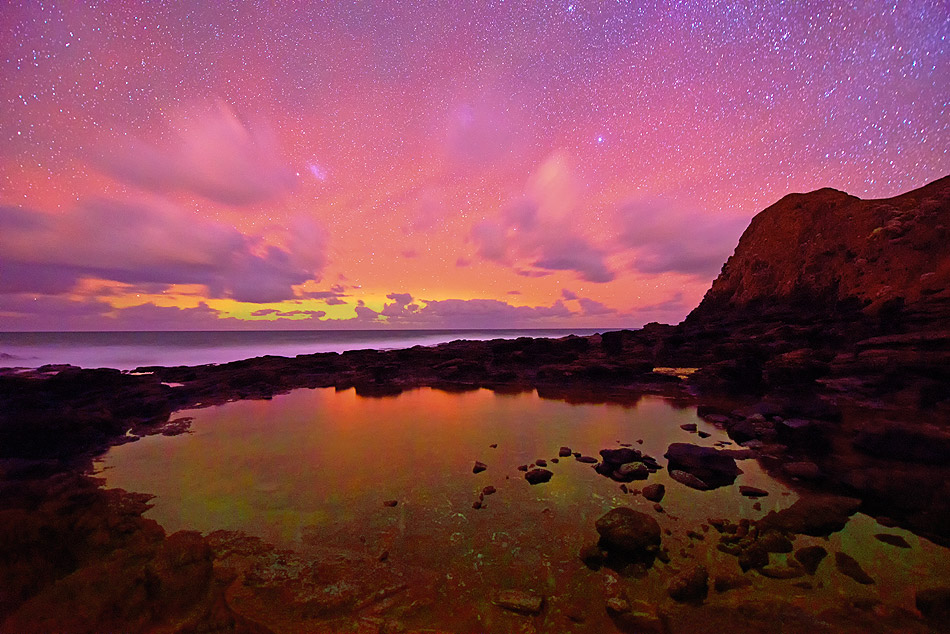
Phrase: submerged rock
{"type": "Point", "coordinates": [479, 467]}
{"type": "Point", "coordinates": [815, 515]}
{"type": "Point", "coordinates": [848, 565]}
{"type": "Point", "coordinates": [629, 533]}
{"type": "Point", "coordinates": [810, 557]}
{"type": "Point", "coordinates": [654, 492]}
{"type": "Point", "coordinates": [537, 476]}
{"type": "Point", "coordinates": [519, 601]}
{"type": "Point", "coordinates": [690, 586]}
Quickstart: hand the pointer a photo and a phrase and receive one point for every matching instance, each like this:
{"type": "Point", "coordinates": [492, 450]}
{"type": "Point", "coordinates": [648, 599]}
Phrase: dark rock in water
{"type": "Point", "coordinates": [477, 504]}
{"type": "Point", "coordinates": [689, 480]}
{"type": "Point", "coordinates": [587, 459]}
{"type": "Point", "coordinates": [688, 427]}
{"type": "Point", "coordinates": [488, 490]}
{"type": "Point", "coordinates": [628, 532]}
{"type": "Point", "coordinates": [537, 476]}
{"type": "Point", "coordinates": [519, 601]}
{"type": "Point", "coordinates": [847, 565]}
{"type": "Point", "coordinates": [631, 471]}
{"type": "Point", "coordinates": [564, 452]}
{"type": "Point", "coordinates": [893, 540]}
{"type": "Point", "coordinates": [390, 503]}
{"type": "Point", "coordinates": [791, 570]}
{"type": "Point", "coordinates": [803, 470]}
{"type": "Point", "coordinates": [810, 557]}
{"type": "Point", "coordinates": [934, 604]}
{"type": "Point", "coordinates": [654, 492]}
{"type": "Point", "coordinates": [494, 445]}
{"type": "Point", "coordinates": [711, 466]}
{"type": "Point", "coordinates": [815, 515]}
{"type": "Point", "coordinates": [620, 456]}
{"type": "Point", "coordinates": [724, 583]}
{"type": "Point", "coordinates": [752, 492]}
{"type": "Point", "coordinates": [479, 467]}
{"type": "Point", "coordinates": [522, 467]}
{"type": "Point", "coordinates": [635, 617]}
{"type": "Point", "coordinates": [541, 462]}
{"type": "Point", "coordinates": [658, 508]}
{"type": "Point", "coordinates": [703, 434]}
{"type": "Point", "coordinates": [593, 556]}
{"type": "Point", "coordinates": [753, 557]}
{"type": "Point", "coordinates": [690, 586]}
{"type": "Point", "coordinates": [773, 541]}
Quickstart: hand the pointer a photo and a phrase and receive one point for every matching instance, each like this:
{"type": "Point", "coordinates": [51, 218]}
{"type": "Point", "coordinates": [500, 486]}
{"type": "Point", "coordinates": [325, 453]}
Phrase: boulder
{"type": "Point", "coordinates": [848, 565]}
{"type": "Point", "coordinates": [537, 476]}
{"type": "Point", "coordinates": [654, 492]}
{"type": "Point", "coordinates": [629, 533]}
{"type": "Point", "coordinates": [690, 586]}
{"type": "Point", "coordinates": [711, 466]}
{"type": "Point", "coordinates": [810, 557]}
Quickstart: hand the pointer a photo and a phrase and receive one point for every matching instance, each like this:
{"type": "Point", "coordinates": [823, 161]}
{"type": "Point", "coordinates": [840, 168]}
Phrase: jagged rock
{"type": "Point", "coordinates": [709, 465]}
{"type": "Point", "coordinates": [538, 476]}
{"type": "Point", "coordinates": [810, 557]}
{"type": "Point", "coordinates": [690, 586]}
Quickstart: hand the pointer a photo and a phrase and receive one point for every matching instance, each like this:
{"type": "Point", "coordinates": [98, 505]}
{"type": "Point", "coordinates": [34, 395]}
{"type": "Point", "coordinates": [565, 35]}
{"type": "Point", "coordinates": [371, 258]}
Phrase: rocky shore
{"type": "Point", "coordinates": [823, 349]}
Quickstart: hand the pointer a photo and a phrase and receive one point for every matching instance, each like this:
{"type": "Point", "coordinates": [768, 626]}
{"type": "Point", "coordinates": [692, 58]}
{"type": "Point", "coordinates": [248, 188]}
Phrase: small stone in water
{"type": "Point", "coordinates": [479, 467]}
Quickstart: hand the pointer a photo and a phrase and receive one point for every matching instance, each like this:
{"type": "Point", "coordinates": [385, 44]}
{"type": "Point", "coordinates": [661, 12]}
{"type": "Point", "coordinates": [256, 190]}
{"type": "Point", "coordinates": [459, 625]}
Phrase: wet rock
{"type": "Point", "coordinates": [593, 556]}
{"type": "Point", "coordinates": [537, 476]}
{"type": "Point", "coordinates": [633, 471]}
{"type": "Point", "coordinates": [654, 492]}
{"type": "Point", "coordinates": [847, 565]}
{"type": "Point", "coordinates": [802, 470]}
{"type": "Point", "coordinates": [629, 533]}
{"type": "Point", "coordinates": [893, 540]}
{"type": "Point", "coordinates": [790, 570]}
{"type": "Point", "coordinates": [934, 605]}
{"type": "Point", "coordinates": [489, 490]}
{"type": "Point", "coordinates": [635, 617]}
{"type": "Point", "coordinates": [390, 503]}
{"type": "Point", "coordinates": [774, 542]}
{"type": "Point", "coordinates": [708, 464]}
{"type": "Point", "coordinates": [689, 480]}
{"type": "Point", "coordinates": [541, 462]}
{"type": "Point", "coordinates": [494, 445]}
{"type": "Point", "coordinates": [564, 452]}
{"type": "Point", "coordinates": [519, 601]}
{"type": "Point", "coordinates": [690, 586]}
{"type": "Point", "coordinates": [724, 583]}
{"type": "Point", "coordinates": [477, 504]}
{"type": "Point", "coordinates": [815, 515]}
{"type": "Point", "coordinates": [479, 467]}
{"type": "Point", "coordinates": [753, 557]}
{"type": "Point", "coordinates": [658, 508]}
{"type": "Point", "coordinates": [752, 492]}
{"type": "Point", "coordinates": [703, 434]}
{"type": "Point", "coordinates": [586, 459]}
{"type": "Point", "coordinates": [810, 557]}
{"type": "Point", "coordinates": [691, 427]}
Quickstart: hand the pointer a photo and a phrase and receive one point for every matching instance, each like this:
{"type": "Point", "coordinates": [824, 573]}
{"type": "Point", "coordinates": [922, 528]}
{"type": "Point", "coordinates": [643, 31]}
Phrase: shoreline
{"type": "Point", "coordinates": [60, 418]}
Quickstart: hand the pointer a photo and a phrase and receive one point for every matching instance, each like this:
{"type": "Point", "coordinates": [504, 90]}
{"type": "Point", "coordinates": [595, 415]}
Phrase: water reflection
{"type": "Point", "coordinates": [311, 470]}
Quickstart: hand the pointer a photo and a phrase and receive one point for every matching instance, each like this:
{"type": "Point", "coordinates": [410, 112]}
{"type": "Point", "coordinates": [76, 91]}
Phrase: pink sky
{"type": "Point", "coordinates": [434, 164]}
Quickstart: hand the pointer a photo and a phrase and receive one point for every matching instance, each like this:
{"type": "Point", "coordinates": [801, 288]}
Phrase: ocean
{"type": "Point", "coordinates": [129, 350]}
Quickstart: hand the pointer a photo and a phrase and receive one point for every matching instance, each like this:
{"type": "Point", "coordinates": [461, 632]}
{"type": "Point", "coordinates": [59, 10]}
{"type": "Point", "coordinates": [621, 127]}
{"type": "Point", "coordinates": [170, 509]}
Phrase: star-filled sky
{"type": "Point", "coordinates": [433, 164]}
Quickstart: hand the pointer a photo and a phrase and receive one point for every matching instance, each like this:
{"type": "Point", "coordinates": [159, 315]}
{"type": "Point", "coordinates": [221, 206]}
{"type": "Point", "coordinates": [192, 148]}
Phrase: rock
{"type": "Point", "coordinates": [479, 467]}
{"type": "Point", "coordinates": [934, 605]}
{"type": "Point", "coordinates": [703, 434]}
{"type": "Point", "coordinates": [477, 504]}
{"type": "Point", "coordinates": [802, 470]}
{"type": "Point", "coordinates": [709, 465]}
{"type": "Point", "coordinates": [691, 427]}
{"type": "Point", "coordinates": [790, 570]}
{"type": "Point", "coordinates": [654, 492]}
{"type": "Point", "coordinates": [809, 557]}
{"type": "Point", "coordinates": [774, 542]}
{"type": "Point", "coordinates": [522, 467]}
{"type": "Point", "coordinates": [628, 532]}
{"type": "Point", "coordinates": [488, 490]}
{"type": "Point", "coordinates": [594, 557]}
{"type": "Point", "coordinates": [390, 503]}
{"type": "Point", "coordinates": [494, 445]}
{"type": "Point", "coordinates": [752, 492]}
{"type": "Point", "coordinates": [893, 540]}
{"type": "Point", "coordinates": [753, 557]}
{"type": "Point", "coordinates": [848, 566]}
{"type": "Point", "coordinates": [519, 601]}
{"type": "Point", "coordinates": [658, 508]}
{"type": "Point", "coordinates": [564, 452]}
{"type": "Point", "coordinates": [633, 471]}
{"type": "Point", "coordinates": [537, 476]}
{"type": "Point", "coordinates": [586, 459]}
{"type": "Point", "coordinates": [724, 583]}
{"type": "Point", "coordinates": [690, 586]}
{"type": "Point", "coordinates": [636, 617]}
{"type": "Point", "coordinates": [620, 456]}
{"type": "Point", "coordinates": [816, 515]}
{"type": "Point", "coordinates": [689, 480]}
{"type": "Point", "coordinates": [541, 462]}
{"type": "Point", "coordinates": [616, 605]}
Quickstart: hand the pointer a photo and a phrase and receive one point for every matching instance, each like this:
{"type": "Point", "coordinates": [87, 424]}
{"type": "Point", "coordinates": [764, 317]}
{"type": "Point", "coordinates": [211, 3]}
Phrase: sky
{"type": "Point", "coordinates": [434, 164]}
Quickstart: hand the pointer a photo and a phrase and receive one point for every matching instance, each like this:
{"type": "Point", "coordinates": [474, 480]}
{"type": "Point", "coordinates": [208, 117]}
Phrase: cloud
{"type": "Point", "coordinates": [590, 307]}
{"type": "Point", "coordinates": [569, 295]}
{"type": "Point", "coordinates": [536, 233]}
{"type": "Point", "coordinates": [151, 243]}
{"type": "Point", "coordinates": [669, 237]}
{"type": "Point", "coordinates": [210, 152]}
{"type": "Point", "coordinates": [670, 311]}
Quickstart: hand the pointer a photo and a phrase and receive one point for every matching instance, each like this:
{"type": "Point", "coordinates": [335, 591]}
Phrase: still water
{"type": "Point", "coordinates": [311, 470]}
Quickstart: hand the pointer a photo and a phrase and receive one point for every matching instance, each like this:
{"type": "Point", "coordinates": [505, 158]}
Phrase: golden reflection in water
{"type": "Point", "coordinates": [310, 470]}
